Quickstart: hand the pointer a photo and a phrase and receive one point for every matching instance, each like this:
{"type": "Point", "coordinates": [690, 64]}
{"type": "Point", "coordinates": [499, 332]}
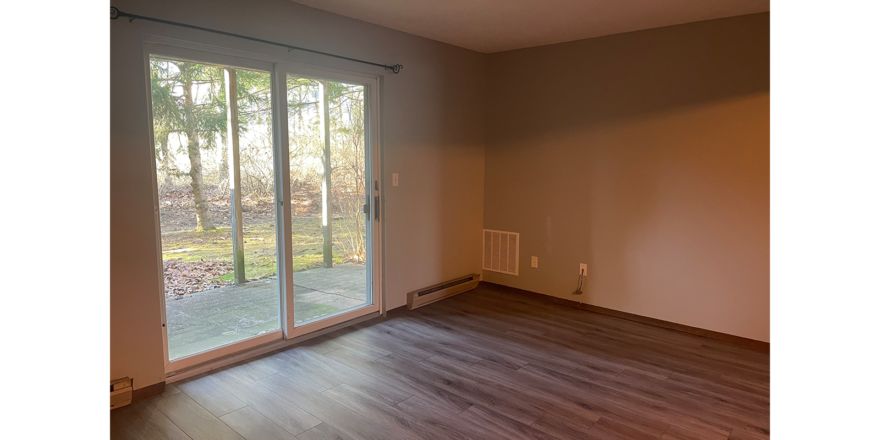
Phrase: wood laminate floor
{"type": "Point", "coordinates": [487, 364]}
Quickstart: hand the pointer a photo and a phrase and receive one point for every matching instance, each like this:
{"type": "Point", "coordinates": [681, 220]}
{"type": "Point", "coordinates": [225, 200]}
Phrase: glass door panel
{"type": "Point", "coordinates": [331, 227]}
{"type": "Point", "coordinates": [212, 128]}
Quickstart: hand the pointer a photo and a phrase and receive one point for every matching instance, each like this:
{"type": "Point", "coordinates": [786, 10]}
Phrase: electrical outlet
{"type": "Point", "coordinates": [583, 269]}
{"type": "Point", "coordinates": [394, 179]}
{"type": "Point", "coordinates": [534, 261]}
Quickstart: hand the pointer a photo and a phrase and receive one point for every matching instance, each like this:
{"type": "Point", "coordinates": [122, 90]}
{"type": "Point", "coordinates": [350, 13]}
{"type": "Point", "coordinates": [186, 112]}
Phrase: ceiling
{"type": "Point", "coordinates": [497, 25]}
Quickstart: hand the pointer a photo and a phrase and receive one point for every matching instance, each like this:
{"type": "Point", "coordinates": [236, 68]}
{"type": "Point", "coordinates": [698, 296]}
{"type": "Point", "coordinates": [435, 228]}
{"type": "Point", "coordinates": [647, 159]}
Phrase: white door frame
{"type": "Point", "coordinates": [279, 68]}
{"type": "Point", "coordinates": [373, 162]}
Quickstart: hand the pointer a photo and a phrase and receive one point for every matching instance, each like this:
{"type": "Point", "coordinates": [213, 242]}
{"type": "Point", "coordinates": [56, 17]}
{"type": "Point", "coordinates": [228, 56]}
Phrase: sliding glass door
{"type": "Point", "coordinates": [266, 200]}
{"type": "Point", "coordinates": [333, 195]}
{"type": "Point", "coordinates": [212, 127]}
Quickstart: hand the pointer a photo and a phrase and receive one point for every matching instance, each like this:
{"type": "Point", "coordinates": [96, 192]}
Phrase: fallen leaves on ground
{"type": "Point", "coordinates": [182, 278]}
{"type": "Point", "coordinates": [178, 212]}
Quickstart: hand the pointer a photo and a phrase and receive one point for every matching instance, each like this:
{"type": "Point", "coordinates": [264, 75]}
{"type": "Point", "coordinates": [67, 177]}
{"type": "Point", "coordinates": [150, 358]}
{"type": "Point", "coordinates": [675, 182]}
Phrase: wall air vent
{"type": "Point", "coordinates": [501, 251]}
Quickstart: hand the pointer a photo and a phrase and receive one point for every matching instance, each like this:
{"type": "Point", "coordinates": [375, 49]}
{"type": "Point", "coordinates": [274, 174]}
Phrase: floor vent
{"type": "Point", "coordinates": [422, 297]}
{"type": "Point", "coordinates": [501, 251]}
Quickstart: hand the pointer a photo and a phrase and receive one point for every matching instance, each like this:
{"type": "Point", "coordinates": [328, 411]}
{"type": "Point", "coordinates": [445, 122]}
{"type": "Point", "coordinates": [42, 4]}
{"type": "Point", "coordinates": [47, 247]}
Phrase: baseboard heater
{"type": "Point", "coordinates": [428, 295]}
{"type": "Point", "coordinates": [120, 392]}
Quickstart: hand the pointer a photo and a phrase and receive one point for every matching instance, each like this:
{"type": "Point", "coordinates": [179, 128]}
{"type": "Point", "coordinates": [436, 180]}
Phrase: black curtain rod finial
{"type": "Point", "coordinates": [116, 13]}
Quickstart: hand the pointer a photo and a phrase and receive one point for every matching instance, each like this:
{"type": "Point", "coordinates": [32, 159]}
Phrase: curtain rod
{"type": "Point", "coordinates": [116, 13]}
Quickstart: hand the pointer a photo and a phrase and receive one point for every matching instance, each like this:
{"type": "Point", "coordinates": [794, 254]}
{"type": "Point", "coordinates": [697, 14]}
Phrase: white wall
{"type": "Point", "coordinates": [433, 136]}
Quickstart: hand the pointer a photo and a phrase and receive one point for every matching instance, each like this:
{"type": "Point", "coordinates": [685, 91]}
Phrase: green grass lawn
{"type": "Point", "coordinates": [259, 246]}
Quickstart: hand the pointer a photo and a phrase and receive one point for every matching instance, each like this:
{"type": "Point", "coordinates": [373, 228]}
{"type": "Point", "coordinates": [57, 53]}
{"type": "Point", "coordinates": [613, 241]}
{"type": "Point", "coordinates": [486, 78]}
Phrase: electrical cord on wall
{"type": "Point", "coordinates": [579, 290]}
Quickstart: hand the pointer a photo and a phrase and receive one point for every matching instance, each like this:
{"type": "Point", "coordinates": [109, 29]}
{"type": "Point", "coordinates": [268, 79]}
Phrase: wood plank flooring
{"type": "Point", "coordinates": [488, 364]}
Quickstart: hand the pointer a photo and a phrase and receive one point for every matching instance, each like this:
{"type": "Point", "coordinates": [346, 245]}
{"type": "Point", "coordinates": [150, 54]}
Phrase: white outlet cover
{"type": "Point", "coordinates": [394, 179]}
{"type": "Point", "coordinates": [534, 261]}
{"type": "Point", "coordinates": [583, 269]}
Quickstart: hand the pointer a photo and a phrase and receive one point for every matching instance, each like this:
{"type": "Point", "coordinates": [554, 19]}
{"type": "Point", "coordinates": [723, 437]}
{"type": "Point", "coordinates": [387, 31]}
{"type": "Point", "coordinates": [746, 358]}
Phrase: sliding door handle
{"type": "Point", "coordinates": [376, 207]}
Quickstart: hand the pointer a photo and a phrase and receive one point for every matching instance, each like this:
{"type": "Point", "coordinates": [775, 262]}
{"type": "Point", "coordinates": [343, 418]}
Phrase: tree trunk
{"type": "Point", "coordinates": [232, 130]}
{"type": "Point", "coordinates": [203, 215]}
{"type": "Point", "coordinates": [326, 186]}
{"type": "Point", "coordinates": [165, 161]}
{"type": "Point", "coordinates": [224, 154]}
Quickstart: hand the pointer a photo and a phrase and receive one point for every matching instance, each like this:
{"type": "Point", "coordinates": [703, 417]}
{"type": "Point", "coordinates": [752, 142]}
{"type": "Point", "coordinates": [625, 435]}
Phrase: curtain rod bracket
{"type": "Point", "coordinates": [116, 13]}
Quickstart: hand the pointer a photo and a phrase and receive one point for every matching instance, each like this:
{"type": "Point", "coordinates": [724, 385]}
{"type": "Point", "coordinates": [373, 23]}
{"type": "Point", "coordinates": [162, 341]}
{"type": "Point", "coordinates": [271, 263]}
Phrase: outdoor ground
{"type": "Point", "coordinates": [205, 320]}
{"type": "Point", "coordinates": [195, 261]}
{"type": "Point", "coordinates": [205, 310]}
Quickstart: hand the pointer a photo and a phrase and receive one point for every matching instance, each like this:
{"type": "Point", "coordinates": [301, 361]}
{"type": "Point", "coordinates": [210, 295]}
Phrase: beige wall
{"type": "Point", "coordinates": [433, 136]}
{"type": "Point", "coordinates": [646, 156]}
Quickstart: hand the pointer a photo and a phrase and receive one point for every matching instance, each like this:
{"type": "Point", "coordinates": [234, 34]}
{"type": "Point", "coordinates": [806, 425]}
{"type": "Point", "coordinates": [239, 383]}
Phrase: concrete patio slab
{"type": "Point", "coordinates": [206, 320]}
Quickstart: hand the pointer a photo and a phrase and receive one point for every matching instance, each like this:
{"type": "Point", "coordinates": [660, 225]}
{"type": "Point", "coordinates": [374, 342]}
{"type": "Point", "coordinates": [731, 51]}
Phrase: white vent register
{"type": "Point", "coordinates": [501, 251]}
